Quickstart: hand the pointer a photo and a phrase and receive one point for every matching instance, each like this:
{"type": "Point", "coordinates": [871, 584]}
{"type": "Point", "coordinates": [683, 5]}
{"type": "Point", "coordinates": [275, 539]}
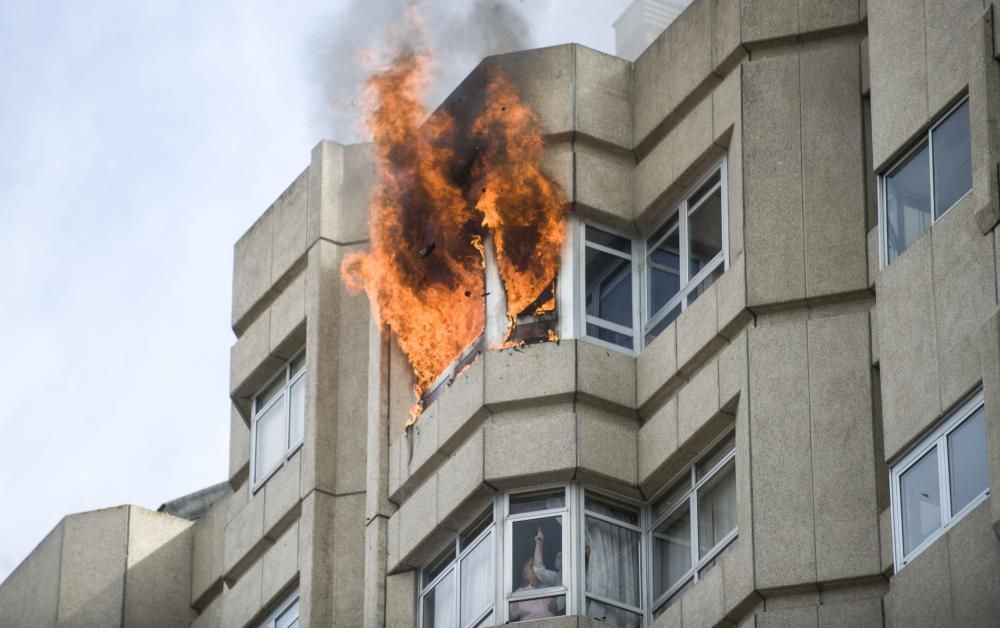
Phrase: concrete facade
{"type": "Point", "coordinates": [826, 365]}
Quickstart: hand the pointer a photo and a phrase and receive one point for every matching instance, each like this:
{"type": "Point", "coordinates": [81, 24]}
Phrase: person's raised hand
{"type": "Point", "coordinates": [540, 537]}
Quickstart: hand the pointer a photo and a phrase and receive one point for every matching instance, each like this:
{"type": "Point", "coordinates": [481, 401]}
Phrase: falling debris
{"type": "Point", "coordinates": [427, 250]}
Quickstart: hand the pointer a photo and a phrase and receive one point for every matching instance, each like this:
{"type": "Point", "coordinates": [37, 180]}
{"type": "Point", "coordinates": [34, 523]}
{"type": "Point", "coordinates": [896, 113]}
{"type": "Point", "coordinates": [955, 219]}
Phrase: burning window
{"type": "Point", "coordinates": [450, 193]}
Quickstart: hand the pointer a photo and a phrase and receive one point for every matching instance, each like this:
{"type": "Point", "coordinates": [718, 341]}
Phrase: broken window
{"type": "Point", "coordinates": [277, 420]}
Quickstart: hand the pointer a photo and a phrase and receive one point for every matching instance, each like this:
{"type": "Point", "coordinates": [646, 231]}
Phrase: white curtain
{"type": "Point", "coordinates": [613, 567]}
{"type": "Point", "coordinates": [439, 610]}
{"type": "Point", "coordinates": [477, 580]}
{"type": "Point", "coordinates": [717, 509]}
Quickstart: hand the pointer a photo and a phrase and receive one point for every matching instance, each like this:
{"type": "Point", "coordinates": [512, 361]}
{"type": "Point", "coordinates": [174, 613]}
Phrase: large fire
{"type": "Point", "coordinates": [430, 216]}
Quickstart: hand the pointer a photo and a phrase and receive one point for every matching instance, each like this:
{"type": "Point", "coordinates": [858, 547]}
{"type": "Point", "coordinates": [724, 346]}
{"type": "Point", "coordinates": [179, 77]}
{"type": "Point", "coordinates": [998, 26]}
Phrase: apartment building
{"type": "Point", "coordinates": [774, 401]}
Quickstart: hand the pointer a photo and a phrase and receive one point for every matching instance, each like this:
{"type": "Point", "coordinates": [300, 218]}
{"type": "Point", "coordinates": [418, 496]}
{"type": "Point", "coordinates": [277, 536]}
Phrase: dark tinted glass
{"type": "Point", "coordinates": [952, 159]}
{"type": "Point", "coordinates": [907, 202]}
{"type": "Point", "coordinates": [968, 471]}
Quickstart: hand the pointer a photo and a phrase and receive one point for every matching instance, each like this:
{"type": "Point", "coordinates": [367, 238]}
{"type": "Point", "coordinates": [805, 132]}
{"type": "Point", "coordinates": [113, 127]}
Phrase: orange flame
{"type": "Point", "coordinates": [425, 270]}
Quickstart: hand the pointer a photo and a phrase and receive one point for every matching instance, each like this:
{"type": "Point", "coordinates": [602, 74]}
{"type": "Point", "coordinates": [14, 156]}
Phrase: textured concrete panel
{"type": "Point", "coordinates": [731, 294]}
{"type": "Point", "coordinates": [239, 445]}
{"type": "Point", "coordinates": [907, 352]}
{"type": "Point", "coordinates": [989, 347]}
{"type": "Point", "coordinates": [603, 96]}
{"type": "Point", "coordinates": [288, 314]}
{"type": "Point", "coordinates": [974, 559]}
{"type": "Point", "coordinates": [281, 493]}
{"type": "Point", "coordinates": [784, 543]}
{"type": "Point", "coordinates": [801, 617]}
{"type": "Point", "coordinates": [703, 606]}
{"type": "Point", "coordinates": [773, 180]}
{"type": "Point", "coordinates": [732, 369]}
{"type": "Point", "coordinates": [281, 564]}
{"type": "Point", "coordinates": [460, 477]}
{"type": "Point", "coordinates": [288, 226]}
{"type": "Point", "coordinates": [855, 613]}
{"type": "Point", "coordinates": [964, 297]}
{"type": "Point", "coordinates": [697, 328]}
{"type": "Point", "coordinates": [657, 442]}
{"type": "Point", "coordinates": [766, 19]}
{"type": "Point", "coordinates": [332, 550]}
{"type": "Point", "coordinates": [897, 51]}
{"type": "Point", "coordinates": [689, 40]}
{"type": "Point", "coordinates": [351, 217]}
{"type": "Point", "coordinates": [544, 77]}
{"type": "Point", "coordinates": [657, 364]}
{"type": "Point", "coordinates": [92, 580]}
{"type": "Point", "coordinates": [326, 180]}
{"type": "Point", "coordinates": [653, 91]}
{"type": "Point", "coordinates": [698, 403]}
{"type": "Point", "coordinates": [208, 549]}
{"type": "Point", "coordinates": [251, 267]}
{"type": "Point", "coordinates": [918, 594]}
{"type": "Point", "coordinates": [833, 192]}
{"type": "Point", "coordinates": [727, 102]}
{"type": "Point", "coordinates": [947, 33]}
{"type": "Point", "coordinates": [606, 374]}
{"type": "Point", "coordinates": [250, 361]}
{"type": "Point", "coordinates": [244, 533]}
{"type": "Point", "coordinates": [602, 182]}
{"type": "Point", "coordinates": [844, 469]}
{"type": "Point", "coordinates": [401, 600]}
{"type": "Point", "coordinates": [817, 15]}
{"type": "Point", "coordinates": [30, 594]}
{"type": "Point", "coordinates": [158, 581]}
{"type": "Point", "coordinates": [418, 517]}
{"type": "Point", "coordinates": [542, 370]}
{"type": "Point", "coordinates": [242, 601]}
{"type": "Point", "coordinates": [210, 617]}
{"type": "Point", "coordinates": [725, 30]}
{"type": "Point", "coordinates": [607, 444]}
{"type": "Point", "coordinates": [462, 401]}
{"type": "Point", "coordinates": [538, 442]}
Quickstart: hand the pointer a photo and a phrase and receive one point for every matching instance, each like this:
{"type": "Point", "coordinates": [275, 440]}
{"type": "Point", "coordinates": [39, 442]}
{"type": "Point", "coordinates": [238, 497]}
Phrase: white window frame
{"type": "Point", "coordinates": [687, 284]}
{"type": "Point", "coordinates": [644, 554]}
{"type": "Point", "coordinates": [642, 322]}
{"type": "Point", "coordinates": [938, 438]}
{"type": "Point", "coordinates": [584, 318]}
{"type": "Point", "coordinates": [689, 500]}
{"type": "Point", "coordinates": [270, 620]}
{"type": "Point", "coordinates": [570, 539]}
{"type": "Point", "coordinates": [926, 139]}
{"type": "Point", "coordinates": [487, 535]}
{"type": "Point", "coordinates": [256, 413]}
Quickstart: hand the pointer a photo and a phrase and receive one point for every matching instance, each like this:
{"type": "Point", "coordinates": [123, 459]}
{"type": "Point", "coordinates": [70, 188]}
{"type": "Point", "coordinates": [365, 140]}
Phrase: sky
{"type": "Point", "coordinates": [138, 141]}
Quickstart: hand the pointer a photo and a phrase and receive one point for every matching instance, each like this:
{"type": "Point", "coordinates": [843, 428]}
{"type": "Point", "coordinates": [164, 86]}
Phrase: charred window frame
{"type": "Point", "coordinates": [686, 253]}
{"type": "Point", "coordinates": [277, 420]}
{"type": "Point", "coordinates": [939, 481]}
{"type": "Point", "coordinates": [457, 588]}
{"type": "Point", "coordinates": [691, 523]}
{"type": "Point", "coordinates": [930, 178]}
{"type": "Point", "coordinates": [285, 615]}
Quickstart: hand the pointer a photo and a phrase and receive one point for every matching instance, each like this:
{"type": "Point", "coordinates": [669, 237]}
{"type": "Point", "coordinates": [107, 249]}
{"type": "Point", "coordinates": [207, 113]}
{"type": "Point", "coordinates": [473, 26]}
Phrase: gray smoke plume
{"type": "Point", "coordinates": [459, 34]}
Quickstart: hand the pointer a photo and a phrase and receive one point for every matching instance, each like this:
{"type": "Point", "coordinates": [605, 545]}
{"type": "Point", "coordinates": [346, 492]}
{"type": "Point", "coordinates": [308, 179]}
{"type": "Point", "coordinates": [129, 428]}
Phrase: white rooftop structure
{"type": "Point", "coordinates": [642, 22]}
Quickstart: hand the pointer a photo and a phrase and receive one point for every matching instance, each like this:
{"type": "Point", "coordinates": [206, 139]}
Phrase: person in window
{"type": "Point", "coordinates": [546, 576]}
{"type": "Point", "coordinates": [531, 609]}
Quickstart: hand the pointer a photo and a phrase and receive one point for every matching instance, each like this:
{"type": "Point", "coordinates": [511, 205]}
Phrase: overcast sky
{"type": "Point", "coordinates": [138, 141]}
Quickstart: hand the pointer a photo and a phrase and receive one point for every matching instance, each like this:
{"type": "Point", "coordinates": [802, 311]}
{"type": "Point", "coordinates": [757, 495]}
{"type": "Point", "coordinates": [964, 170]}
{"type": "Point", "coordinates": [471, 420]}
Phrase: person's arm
{"type": "Point", "coordinates": [539, 561]}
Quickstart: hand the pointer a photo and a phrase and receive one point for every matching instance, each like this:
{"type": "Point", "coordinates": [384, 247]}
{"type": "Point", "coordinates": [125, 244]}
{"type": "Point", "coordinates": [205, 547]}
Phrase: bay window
{"type": "Point", "coordinates": [277, 420]}
{"type": "Point", "coordinates": [939, 481]}
{"type": "Point", "coordinates": [537, 530]}
{"type": "Point", "coordinates": [457, 587]}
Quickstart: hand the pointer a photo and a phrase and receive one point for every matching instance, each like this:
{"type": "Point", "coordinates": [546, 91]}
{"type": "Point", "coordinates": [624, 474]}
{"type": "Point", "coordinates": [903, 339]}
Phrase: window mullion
{"type": "Point", "coordinates": [682, 227]}
{"type": "Point", "coordinates": [930, 158]}
{"type": "Point", "coordinates": [944, 484]}
{"type": "Point", "coordinates": [693, 505]}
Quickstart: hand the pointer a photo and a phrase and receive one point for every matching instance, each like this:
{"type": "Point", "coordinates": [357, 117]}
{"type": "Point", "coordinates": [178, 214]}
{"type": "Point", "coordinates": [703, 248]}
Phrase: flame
{"type": "Point", "coordinates": [424, 272]}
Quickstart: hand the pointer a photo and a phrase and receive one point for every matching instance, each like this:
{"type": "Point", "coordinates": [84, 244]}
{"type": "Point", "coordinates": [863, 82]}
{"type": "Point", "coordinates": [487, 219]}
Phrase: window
{"type": "Point", "coordinates": [926, 182]}
{"type": "Point", "coordinates": [633, 289]}
{"type": "Point", "coordinates": [286, 615]}
{"type": "Point", "coordinates": [278, 420]}
{"type": "Point", "coordinates": [457, 587]}
{"type": "Point", "coordinates": [939, 481]}
{"type": "Point", "coordinates": [692, 522]}
{"type": "Point", "coordinates": [536, 531]}
{"type": "Point", "coordinates": [612, 564]}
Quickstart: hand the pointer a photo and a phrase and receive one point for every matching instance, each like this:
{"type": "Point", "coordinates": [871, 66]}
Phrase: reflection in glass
{"type": "Point", "coordinates": [270, 439]}
{"type": "Point", "coordinates": [907, 202]}
{"type": "Point", "coordinates": [671, 551]}
{"type": "Point", "coordinates": [610, 509]}
{"type": "Point", "coordinates": [968, 473]}
{"type": "Point", "coordinates": [439, 604]}
{"type": "Point", "coordinates": [705, 232]}
{"type": "Point", "coordinates": [610, 240]}
{"type": "Point", "coordinates": [296, 411]}
{"type": "Point", "coordinates": [663, 262]}
{"type": "Point", "coordinates": [538, 608]}
{"type": "Point", "coordinates": [952, 159]}
{"type": "Point", "coordinates": [612, 561]}
{"type": "Point", "coordinates": [612, 615]}
{"type": "Point", "coordinates": [477, 581]}
{"type": "Point", "coordinates": [920, 501]}
{"type": "Point", "coordinates": [609, 287]}
{"type": "Point", "coordinates": [717, 508]}
{"type": "Point", "coordinates": [533, 502]}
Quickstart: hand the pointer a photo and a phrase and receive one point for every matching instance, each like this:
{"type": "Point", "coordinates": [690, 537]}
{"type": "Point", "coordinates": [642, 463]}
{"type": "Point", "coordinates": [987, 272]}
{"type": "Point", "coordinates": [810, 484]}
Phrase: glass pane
{"type": "Point", "coordinates": [438, 565]}
{"type": "Point", "coordinates": [664, 266]}
{"type": "Point", "coordinates": [611, 561]}
{"type": "Point", "coordinates": [705, 284]}
{"type": "Point", "coordinates": [671, 551]}
{"type": "Point", "coordinates": [920, 501]}
{"type": "Point", "coordinates": [268, 392]}
{"type": "Point", "coordinates": [705, 232]}
{"type": "Point", "coordinates": [536, 553]}
{"type": "Point", "coordinates": [674, 494]}
{"type": "Point", "coordinates": [298, 363]}
{"type": "Point", "coordinates": [612, 615]}
{"type": "Point", "coordinates": [673, 598]}
{"type": "Point", "coordinates": [289, 618]}
{"type": "Point", "coordinates": [477, 581]}
{"type": "Point", "coordinates": [471, 533]}
{"type": "Point", "coordinates": [296, 411]}
{"type": "Point", "coordinates": [270, 440]}
{"type": "Point", "coordinates": [487, 621]}
{"type": "Point", "coordinates": [716, 454]}
{"type": "Point", "coordinates": [533, 502]}
{"type": "Point", "coordinates": [907, 202]}
{"type": "Point", "coordinates": [968, 472]}
{"type": "Point", "coordinates": [439, 605]}
{"type": "Point", "coordinates": [610, 240]}
{"type": "Point", "coordinates": [609, 287]}
{"type": "Point", "coordinates": [539, 608]}
{"type": "Point", "coordinates": [610, 508]}
{"type": "Point", "coordinates": [952, 159]}
{"type": "Point", "coordinates": [622, 340]}
{"type": "Point", "coordinates": [705, 187]}
{"type": "Point", "coordinates": [658, 328]}
{"type": "Point", "coordinates": [717, 508]}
